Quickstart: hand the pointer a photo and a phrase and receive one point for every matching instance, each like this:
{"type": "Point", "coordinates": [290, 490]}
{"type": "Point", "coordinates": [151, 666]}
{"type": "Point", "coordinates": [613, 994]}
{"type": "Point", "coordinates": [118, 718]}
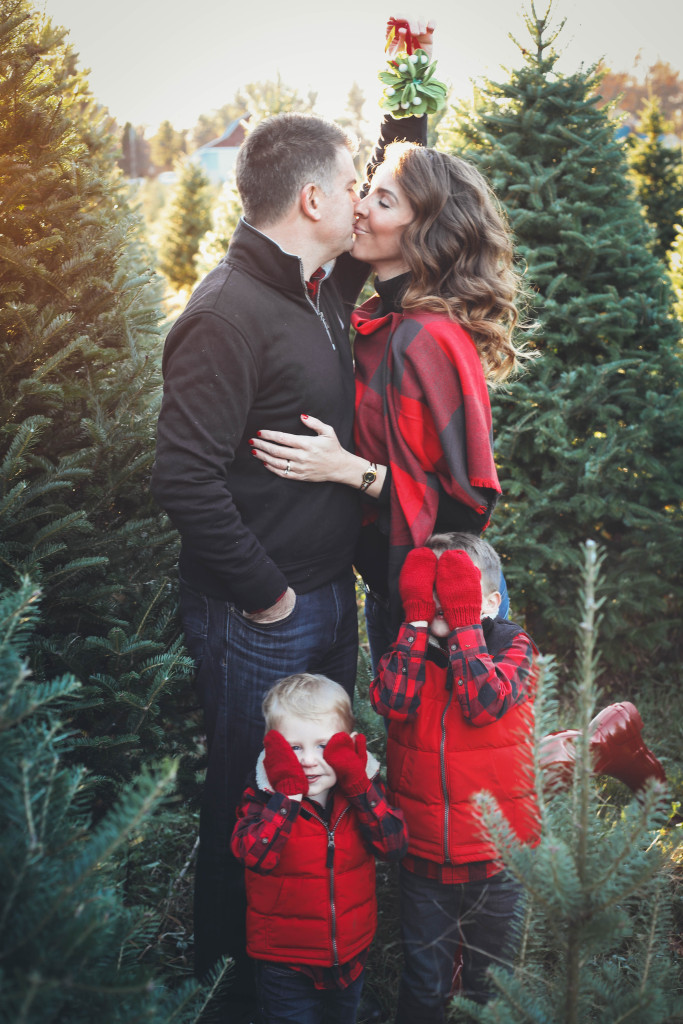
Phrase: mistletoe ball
{"type": "Point", "coordinates": [410, 87]}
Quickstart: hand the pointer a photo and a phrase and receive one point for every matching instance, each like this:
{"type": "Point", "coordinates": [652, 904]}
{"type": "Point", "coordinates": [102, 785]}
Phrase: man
{"type": "Point", "coordinates": [266, 583]}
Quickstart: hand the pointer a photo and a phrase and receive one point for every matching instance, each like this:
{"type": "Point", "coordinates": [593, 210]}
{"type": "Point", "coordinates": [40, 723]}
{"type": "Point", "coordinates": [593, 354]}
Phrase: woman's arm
{"type": "Point", "coordinates": [315, 458]}
{"type": "Point", "coordinates": [350, 274]}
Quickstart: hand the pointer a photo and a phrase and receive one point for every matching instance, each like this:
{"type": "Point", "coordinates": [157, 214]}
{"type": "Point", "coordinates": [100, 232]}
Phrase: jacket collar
{"type": "Point", "coordinates": [263, 259]}
{"type": "Point", "coordinates": [367, 318]}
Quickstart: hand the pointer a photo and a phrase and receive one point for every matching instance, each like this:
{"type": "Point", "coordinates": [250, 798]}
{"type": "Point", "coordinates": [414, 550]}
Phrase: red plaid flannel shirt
{"type": "Point", "coordinates": [486, 689]}
{"type": "Point", "coordinates": [264, 824]}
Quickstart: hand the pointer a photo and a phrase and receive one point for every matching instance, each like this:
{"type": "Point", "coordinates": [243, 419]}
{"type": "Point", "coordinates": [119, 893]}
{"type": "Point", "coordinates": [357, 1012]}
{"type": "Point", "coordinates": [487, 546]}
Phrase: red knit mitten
{"type": "Point", "coordinates": [458, 587]}
{"type": "Point", "coordinates": [284, 772]}
{"type": "Point", "coordinates": [348, 760]}
{"type": "Point", "coordinates": [416, 585]}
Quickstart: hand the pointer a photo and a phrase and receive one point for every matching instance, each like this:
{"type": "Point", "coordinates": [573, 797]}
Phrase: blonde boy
{"type": "Point", "coordinates": [308, 831]}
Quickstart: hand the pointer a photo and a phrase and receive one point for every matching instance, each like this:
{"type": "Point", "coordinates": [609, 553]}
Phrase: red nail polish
{"type": "Point", "coordinates": [304, 416]}
{"type": "Point", "coordinates": [251, 440]}
{"type": "Point", "coordinates": [253, 451]}
{"type": "Point", "coordinates": [258, 433]}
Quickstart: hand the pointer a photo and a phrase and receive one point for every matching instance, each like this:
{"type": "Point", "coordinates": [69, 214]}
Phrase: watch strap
{"type": "Point", "coordinates": [369, 476]}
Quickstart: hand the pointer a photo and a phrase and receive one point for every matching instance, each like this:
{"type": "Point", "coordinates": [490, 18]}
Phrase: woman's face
{"type": "Point", "coordinates": [381, 219]}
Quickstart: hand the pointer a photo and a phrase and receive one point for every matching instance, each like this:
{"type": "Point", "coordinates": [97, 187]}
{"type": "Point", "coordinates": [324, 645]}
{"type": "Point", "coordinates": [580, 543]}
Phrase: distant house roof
{"type": "Point", "coordinates": [218, 157]}
{"type": "Point", "coordinates": [232, 137]}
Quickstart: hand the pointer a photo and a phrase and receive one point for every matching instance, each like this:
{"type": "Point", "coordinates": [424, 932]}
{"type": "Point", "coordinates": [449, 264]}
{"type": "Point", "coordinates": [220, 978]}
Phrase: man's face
{"type": "Point", "coordinates": [338, 207]}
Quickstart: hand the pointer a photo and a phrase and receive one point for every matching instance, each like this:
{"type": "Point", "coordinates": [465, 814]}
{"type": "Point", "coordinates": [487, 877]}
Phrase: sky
{"type": "Point", "coordinates": [151, 61]}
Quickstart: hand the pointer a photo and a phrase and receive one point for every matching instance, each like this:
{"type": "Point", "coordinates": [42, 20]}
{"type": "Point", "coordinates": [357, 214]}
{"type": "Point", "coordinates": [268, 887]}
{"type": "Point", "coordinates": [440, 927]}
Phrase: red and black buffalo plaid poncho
{"type": "Point", "coordinates": [422, 409]}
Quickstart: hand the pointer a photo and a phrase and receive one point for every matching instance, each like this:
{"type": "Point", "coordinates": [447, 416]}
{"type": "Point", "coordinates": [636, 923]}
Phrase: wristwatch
{"type": "Point", "coordinates": [369, 476]}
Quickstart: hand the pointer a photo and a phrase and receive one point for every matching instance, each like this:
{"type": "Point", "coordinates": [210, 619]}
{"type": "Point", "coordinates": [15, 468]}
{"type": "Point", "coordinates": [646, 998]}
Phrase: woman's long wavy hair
{"type": "Point", "coordinates": [459, 252]}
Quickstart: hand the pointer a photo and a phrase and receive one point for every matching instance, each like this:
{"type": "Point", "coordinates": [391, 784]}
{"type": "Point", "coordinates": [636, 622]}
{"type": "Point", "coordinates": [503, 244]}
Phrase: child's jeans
{"type": "Point", "coordinates": [286, 995]}
{"type": "Point", "coordinates": [435, 920]}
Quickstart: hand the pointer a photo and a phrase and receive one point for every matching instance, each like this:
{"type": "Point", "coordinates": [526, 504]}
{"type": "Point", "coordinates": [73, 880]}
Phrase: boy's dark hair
{"type": "Point", "coordinates": [279, 156]}
{"type": "Point", "coordinates": [480, 551]}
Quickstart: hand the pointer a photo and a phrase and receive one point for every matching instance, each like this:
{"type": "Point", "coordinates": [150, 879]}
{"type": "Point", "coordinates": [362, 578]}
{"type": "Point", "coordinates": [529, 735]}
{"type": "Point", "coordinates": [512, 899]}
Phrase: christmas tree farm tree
{"type": "Point", "coordinates": [589, 440]}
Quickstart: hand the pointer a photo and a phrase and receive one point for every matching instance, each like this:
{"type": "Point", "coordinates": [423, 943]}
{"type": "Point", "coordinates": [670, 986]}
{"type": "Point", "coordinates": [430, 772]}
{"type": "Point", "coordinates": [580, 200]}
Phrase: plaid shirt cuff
{"type": "Point", "coordinates": [395, 690]}
{"type": "Point", "coordinates": [383, 827]}
{"type": "Point", "coordinates": [486, 687]}
{"type": "Point", "coordinates": [262, 829]}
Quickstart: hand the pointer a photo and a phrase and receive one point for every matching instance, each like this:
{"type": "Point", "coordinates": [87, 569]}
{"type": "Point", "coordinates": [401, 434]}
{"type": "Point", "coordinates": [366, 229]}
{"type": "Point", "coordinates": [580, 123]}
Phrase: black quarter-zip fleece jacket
{"type": "Point", "coordinates": [253, 351]}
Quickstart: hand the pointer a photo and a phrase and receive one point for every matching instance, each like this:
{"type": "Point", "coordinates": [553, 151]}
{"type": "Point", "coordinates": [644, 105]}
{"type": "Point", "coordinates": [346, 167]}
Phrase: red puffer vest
{"type": "Point", "coordinates": [437, 761]}
{"type": "Point", "coordinates": [318, 906]}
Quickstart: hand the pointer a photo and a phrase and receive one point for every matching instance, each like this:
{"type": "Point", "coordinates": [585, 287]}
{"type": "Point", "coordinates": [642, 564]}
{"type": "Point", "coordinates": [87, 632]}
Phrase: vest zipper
{"type": "Point", "coordinates": [444, 779]}
{"type": "Point", "coordinates": [329, 864]}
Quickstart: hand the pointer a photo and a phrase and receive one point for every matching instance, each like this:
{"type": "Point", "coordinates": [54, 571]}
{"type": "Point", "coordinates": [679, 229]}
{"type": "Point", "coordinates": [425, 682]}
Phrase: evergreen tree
{"type": "Point", "coordinates": [226, 213]}
{"type": "Point", "coordinates": [70, 948]}
{"type": "Point", "coordinates": [135, 152]}
{"type": "Point", "coordinates": [590, 440]}
{"type": "Point", "coordinates": [657, 172]}
{"type": "Point", "coordinates": [186, 219]}
{"type": "Point", "coordinates": [594, 943]}
{"type": "Point", "coordinates": [79, 387]}
{"type": "Point", "coordinates": [262, 99]}
{"type": "Point", "coordinates": [167, 146]}
{"type": "Point", "coordinates": [353, 121]}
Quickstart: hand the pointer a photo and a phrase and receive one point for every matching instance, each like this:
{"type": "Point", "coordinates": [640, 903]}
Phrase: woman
{"type": "Point", "coordinates": [439, 327]}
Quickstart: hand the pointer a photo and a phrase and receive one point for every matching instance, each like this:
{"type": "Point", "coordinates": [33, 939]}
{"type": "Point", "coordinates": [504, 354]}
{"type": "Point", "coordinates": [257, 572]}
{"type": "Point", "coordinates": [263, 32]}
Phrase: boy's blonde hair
{"type": "Point", "coordinates": [480, 551]}
{"type": "Point", "coordinates": [305, 695]}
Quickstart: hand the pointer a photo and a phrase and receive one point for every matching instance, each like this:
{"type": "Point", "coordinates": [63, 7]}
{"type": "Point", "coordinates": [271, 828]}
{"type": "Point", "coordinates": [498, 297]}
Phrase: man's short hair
{"type": "Point", "coordinates": [309, 696]}
{"type": "Point", "coordinates": [279, 156]}
{"type": "Point", "coordinates": [480, 551]}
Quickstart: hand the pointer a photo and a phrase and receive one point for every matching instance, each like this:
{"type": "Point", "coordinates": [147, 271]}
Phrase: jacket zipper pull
{"type": "Point", "coordinates": [327, 328]}
{"type": "Point", "coordinates": [330, 851]}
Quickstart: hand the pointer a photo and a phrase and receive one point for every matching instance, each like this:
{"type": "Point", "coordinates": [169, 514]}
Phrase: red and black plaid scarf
{"type": "Point", "coordinates": [422, 408]}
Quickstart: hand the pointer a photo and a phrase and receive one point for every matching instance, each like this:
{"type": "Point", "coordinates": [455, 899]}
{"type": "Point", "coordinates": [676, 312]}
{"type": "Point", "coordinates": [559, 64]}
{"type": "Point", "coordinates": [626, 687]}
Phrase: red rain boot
{"type": "Point", "coordinates": [618, 749]}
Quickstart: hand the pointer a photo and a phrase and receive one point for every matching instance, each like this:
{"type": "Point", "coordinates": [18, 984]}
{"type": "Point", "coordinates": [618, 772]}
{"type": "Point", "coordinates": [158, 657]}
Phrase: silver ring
{"type": "Point", "coordinates": [289, 466]}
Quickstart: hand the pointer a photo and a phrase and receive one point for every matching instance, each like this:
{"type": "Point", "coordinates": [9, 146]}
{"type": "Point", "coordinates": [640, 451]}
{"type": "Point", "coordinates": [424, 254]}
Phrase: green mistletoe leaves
{"type": "Point", "coordinates": [411, 90]}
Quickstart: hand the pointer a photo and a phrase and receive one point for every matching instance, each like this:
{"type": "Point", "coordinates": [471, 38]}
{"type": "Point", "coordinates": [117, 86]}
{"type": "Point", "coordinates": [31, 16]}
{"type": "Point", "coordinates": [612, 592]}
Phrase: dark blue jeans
{"type": "Point", "coordinates": [382, 632]}
{"type": "Point", "coordinates": [237, 663]}
{"type": "Point", "coordinates": [435, 920]}
{"type": "Point", "coordinates": [285, 996]}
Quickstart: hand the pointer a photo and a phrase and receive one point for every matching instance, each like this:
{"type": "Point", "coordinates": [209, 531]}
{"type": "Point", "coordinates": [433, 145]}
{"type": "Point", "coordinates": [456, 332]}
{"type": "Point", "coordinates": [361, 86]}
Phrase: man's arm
{"type": "Point", "coordinates": [210, 380]}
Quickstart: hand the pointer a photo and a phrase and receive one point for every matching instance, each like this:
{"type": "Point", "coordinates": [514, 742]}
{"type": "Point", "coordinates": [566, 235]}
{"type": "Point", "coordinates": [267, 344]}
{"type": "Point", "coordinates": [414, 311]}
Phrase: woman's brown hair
{"type": "Point", "coordinates": [459, 252]}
